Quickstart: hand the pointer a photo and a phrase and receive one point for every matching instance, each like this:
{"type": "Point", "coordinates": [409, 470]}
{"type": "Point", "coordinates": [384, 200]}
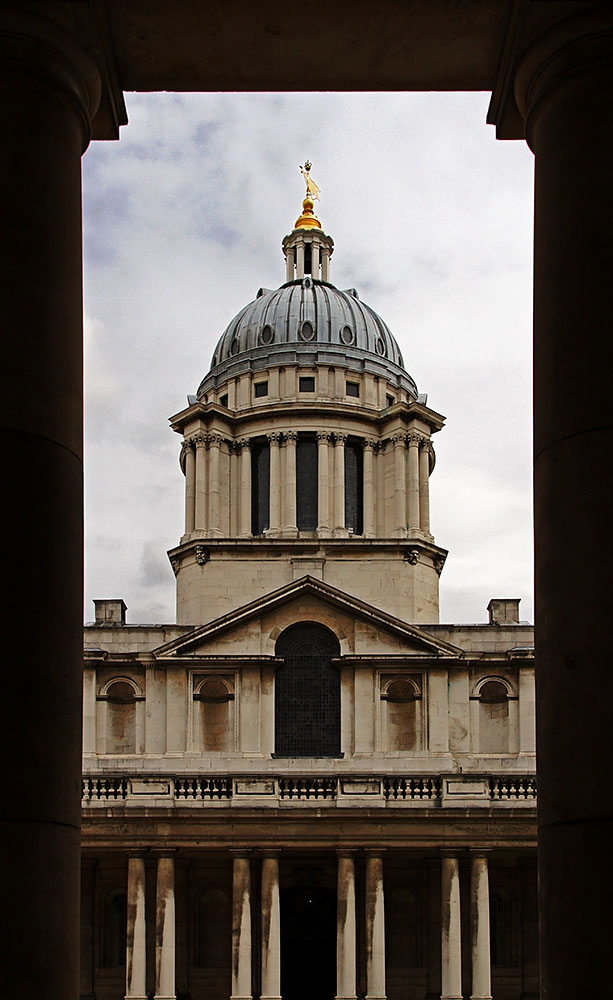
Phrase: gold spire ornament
{"type": "Point", "coordinates": [308, 219]}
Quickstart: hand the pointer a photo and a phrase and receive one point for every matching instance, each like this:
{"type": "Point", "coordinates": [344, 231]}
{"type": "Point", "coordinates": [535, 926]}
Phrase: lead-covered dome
{"type": "Point", "coordinates": [306, 322]}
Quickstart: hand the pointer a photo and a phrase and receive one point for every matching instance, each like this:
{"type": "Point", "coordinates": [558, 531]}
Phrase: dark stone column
{"type": "Point", "coordinates": [564, 87]}
{"type": "Point", "coordinates": [49, 90]}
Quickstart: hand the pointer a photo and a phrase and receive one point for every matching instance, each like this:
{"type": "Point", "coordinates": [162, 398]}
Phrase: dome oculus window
{"type": "Point", "coordinates": [347, 335]}
{"type": "Point", "coordinates": [307, 331]}
{"type": "Point", "coordinates": [234, 346]}
{"type": "Point", "coordinates": [267, 334]}
{"type": "Point", "coordinates": [380, 347]}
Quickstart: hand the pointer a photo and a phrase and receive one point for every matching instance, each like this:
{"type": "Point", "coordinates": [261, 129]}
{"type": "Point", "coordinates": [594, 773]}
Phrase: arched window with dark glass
{"type": "Point", "coordinates": [306, 483]}
{"type": "Point", "coordinates": [260, 486]}
{"type": "Point", "coordinates": [354, 487]}
{"type": "Point", "coordinates": [307, 693]}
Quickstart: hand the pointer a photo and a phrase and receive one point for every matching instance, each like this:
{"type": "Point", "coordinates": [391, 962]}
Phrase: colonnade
{"type": "Point", "coordinates": [346, 927]}
{"type": "Point", "coordinates": [218, 501]}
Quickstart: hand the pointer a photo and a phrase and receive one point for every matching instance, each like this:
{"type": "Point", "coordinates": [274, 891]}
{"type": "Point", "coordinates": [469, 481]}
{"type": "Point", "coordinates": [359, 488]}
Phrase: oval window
{"type": "Point", "coordinates": [380, 347]}
{"type": "Point", "coordinates": [347, 336]}
{"type": "Point", "coordinates": [307, 331]}
{"type": "Point", "coordinates": [234, 346]}
{"type": "Point", "coordinates": [267, 334]}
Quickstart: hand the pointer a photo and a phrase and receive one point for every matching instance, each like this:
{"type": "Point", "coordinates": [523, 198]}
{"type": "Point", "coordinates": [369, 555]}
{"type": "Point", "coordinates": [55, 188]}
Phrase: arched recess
{"type": "Point", "coordinates": [121, 728]}
{"type": "Point", "coordinates": [307, 693]}
{"type": "Point", "coordinates": [493, 694]}
{"type": "Point", "coordinates": [214, 715]}
{"type": "Point", "coordinates": [401, 722]}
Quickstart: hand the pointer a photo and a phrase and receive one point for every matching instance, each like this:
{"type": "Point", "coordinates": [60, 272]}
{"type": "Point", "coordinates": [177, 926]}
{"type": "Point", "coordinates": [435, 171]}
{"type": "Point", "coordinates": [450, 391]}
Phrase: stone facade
{"type": "Point", "coordinates": [308, 785]}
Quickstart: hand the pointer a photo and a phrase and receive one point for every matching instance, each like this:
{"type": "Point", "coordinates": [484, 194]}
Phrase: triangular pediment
{"type": "Point", "coordinates": [371, 630]}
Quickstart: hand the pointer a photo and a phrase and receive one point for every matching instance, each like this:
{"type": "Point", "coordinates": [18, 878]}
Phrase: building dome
{"type": "Point", "coordinates": [307, 321]}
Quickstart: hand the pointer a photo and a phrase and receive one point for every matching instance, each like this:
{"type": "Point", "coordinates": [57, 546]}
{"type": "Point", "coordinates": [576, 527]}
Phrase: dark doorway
{"type": "Point", "coordinates": [308, 943]}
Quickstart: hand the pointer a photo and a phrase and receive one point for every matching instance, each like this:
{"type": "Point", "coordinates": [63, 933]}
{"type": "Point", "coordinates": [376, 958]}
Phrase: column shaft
{"type": "Point", "coordinates": [289, 265]}
{"type": "Point", "coordinates": [241, 928]}
{"type": "Point", "coordinates": [300, 260]}
{"type": "Point", "coordinates": [165, 929]}
{"type": "Point", "coordinates": [201, 519]}
{"type": "Point", "coordinates": [271, 930]}
{"type": "Point", "coordinates": [325, 264]}
{"type": "Point", "coordinates": [346, 929]}
{"type": "Point", "coordinates": [370, 519]}
{"type": "Point", "coordinates": [245, 489]}
{"type": "Point", "coordinates": [400, 491]}
{"type": "Point", "coordinates": [424, 487]}
{"type": "Point", "coordinates": [274, 517]}
{"type": "Point", "coordinates": [190, 488]}
{"type": "Point", "coordinates": [289, 512]}
{"type": "Point", "coordinates": [413, 494]}
{"type": "Point", "coordinates": [214, 484]}
{"type": "Point", "coordinates": [48, 94]}
{"type": "Point", "coordinates": [480, 929]}
{"type": "Point", "coordinates": [564, 89]}
{"type": "Point", "coordinates": [136, 932]}
{"type": "Point", "coordinates": [323, 483]}
{"type": "Point", "coordinates": [339, 483]}
{"type": "Point", "coordinates": [315, 259]}
{"type": "Point", "coordinates": [451, 945]}
{"type": "Point", "coordinates": [375, 928]}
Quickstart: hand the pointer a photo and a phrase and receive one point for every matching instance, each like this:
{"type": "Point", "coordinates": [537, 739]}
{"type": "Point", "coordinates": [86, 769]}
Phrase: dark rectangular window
{"type": "Point", "coordinates": [354, 488]}
{"type": "Point", "coordinates": [223, 400]}
{"type": "Point", "coordinates": [307, 258]}
{"type": "Point", "coordinates": [306, 383]}
{"type": "Point", "coordinates": [260, 487]}
{"type": "Point", "coordinates": [306, 484]}
{"type": "Point", "coordinates": [352, 389]}
{"type": "Point", "coordinates": [389, 400]}
{"type": "Point", "coordinates": [261, 389]}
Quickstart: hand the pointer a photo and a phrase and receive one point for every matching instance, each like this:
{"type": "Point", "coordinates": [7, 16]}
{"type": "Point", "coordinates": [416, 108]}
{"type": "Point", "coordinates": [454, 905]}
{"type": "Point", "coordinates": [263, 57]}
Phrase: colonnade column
{"type": "Point", "coordinates": [165, 929]}
{"type": "Point", "coordinates": [400, 494]}
{"type": "Point", "coordinates": [271, 929]}
{"type": "Point", "coordinates": [315, 259]}
{"type": "Point", "coordinates": [214, 484]}
{"type": "Point", "coordinates": [323, 483]}
{"type": "Point", "coordinates": [290, 526]}
{"type": "Point", "coordinates": [451, 943]}
{"type": "Point", "coordinates": [274, 515]}
{"type": "Point", "coordinates": [375, 927]}
{"type": "Point", "coordinates": [49, 94]}
{"type": "Point", "coordinates": [480, 927]}
{"type": "Point", "coordinates": [244, 508]}
{"type": "Point", "coordinates": [136, 931]}
{"type": "Point", "coordinates": [345, 927]}
{"type": "Point", "coordinates": [241, 926]}
{"type": "Point", "coordinates": [413, 492]}
{"type": "Point", "coordinates": [563, 89]}
{"type": "Point", "coordinates": [201, 515]}
{"type": "Point", "coordinates": [369, 488]}
{"type": "Point", "coordinates": [339, 483]}
{"type": "Point", "coordinates": [190, 486]}
{"type": "Point", "coordinates": [289, 264]}
{"type": "Point", "coordinates": [325, 264]}
{"type": "Point", "coordinates": [300, 259]}
{"type": "Point", "coordinates": [424, 486]}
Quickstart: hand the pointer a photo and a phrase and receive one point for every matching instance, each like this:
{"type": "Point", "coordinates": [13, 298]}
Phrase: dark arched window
{"type": "Point", "coordinates": [354, 487]}
{"type": "Point", "coordinates": [307, 694]}
{"type": "Point", "coordinates": [260, 487]}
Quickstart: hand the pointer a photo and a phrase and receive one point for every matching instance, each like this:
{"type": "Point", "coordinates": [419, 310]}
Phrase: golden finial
{"type": "Point", "coordinates": [308, 219]}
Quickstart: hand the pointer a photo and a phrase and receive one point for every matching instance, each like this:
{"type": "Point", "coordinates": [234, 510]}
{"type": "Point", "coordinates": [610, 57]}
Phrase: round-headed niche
{"type": "Point", "coordinates": [307, 693]}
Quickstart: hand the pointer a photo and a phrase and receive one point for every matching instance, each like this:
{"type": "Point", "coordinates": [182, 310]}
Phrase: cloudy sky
{"type": "Point", "coordinates": [432, 223]}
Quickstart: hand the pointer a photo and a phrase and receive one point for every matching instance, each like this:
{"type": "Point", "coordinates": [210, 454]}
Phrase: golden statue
{"type": "Point", "coordinates": [311, 187]}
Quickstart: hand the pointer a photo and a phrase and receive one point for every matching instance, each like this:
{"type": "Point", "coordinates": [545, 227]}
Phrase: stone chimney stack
{"type": "Point", "coordinates": [504, 610]}
{"type": "Point", "coordinates": [110, 612]}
